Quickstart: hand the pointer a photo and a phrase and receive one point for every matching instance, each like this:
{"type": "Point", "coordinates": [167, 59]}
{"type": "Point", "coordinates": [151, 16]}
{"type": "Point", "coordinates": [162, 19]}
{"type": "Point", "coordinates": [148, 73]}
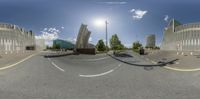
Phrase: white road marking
{"type": "Point", "coordinates": [9, 66]}
{"type": "Point", "coordinates": [57, 67]}
{"type": "Point", "coordinates": [101, 74]}
{"type": "Point", "coordinates": [182, 69]}
{"type": "Point", "coordinates": [96, 59]}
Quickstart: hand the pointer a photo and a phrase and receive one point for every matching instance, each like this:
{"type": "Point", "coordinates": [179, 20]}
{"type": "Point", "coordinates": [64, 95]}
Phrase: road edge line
{"type": "Point", "coordinates": [182, 70]}
{"type": "Point", "coordinates": [12, 65]}
{"type": "Point", "coordinates": [57, 67]}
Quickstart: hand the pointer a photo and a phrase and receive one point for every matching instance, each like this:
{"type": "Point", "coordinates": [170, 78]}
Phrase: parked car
{"type": "Point", "coordinates": [141, 51]}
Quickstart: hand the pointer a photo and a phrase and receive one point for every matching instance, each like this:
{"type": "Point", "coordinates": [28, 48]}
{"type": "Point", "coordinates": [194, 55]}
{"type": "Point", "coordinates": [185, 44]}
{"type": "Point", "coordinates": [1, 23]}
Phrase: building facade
{"type": "Point", "coordinates": [151, 40]}
{"type": "Point", "coordinates": [181, 37]}
{"type": "Point", "coordinates": [14, 39]}
{"type": "Point", "coordinates": [40, 44]}
{"type": "Point", "coordinates": [63, 44]}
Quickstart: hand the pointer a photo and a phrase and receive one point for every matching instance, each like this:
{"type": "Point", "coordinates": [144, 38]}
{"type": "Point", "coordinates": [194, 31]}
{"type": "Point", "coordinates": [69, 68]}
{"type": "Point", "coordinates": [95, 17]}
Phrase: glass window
{"type": "Point", "coordinates": [198, 42]}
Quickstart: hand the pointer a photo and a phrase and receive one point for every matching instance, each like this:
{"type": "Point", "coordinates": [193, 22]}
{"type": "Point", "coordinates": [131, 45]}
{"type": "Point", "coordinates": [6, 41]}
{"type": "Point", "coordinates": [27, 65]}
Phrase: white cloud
{"type": "Point", "coordinates": [62, 27]}
{"type": "Point", "coordinates": [72, 39]}
{"type": "Point", "coordinates": [114, 3]}
{"type": "Point", "coordinates": [45, 29]}
{"type": "Point", "coordinates": [52, 30]}
{"type": "Point", "coordinates": [166, 18]}
{"type": "Point", "coordinates": [132, 10]}
{"type": "Point", "coordinates": [138, 14]}
{"type": "Point", "coordinates": [48, 34]}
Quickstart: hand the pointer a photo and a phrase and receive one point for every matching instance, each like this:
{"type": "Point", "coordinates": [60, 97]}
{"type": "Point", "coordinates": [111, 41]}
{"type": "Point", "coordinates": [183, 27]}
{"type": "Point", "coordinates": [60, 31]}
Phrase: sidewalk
{"type": "Point", "coordinates": [8, 59]}
{"type": "Point", "coordinates": [132, 58]}
{"type": "Point", "coordinates": [51, 54]}
{"type": "Point", "coordinates": [184, 61]}
{"type": "Point", "coordinates": [157, 57]}
{"type": "Point", "coordinates": [187, 62]}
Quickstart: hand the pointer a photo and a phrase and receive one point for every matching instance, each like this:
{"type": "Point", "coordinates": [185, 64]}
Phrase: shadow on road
{"type": "Point", "coordinates": [160, 63]}
{"type": "Point", "coordinates": [123, 55]}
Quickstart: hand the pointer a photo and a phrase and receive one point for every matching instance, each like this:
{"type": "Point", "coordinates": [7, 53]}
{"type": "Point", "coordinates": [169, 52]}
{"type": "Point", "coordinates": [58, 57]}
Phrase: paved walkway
{"type": "Point", "coordinates": [187, 62]}
{"type": "Point", "coordinates": [184, 61]}
{"type": "Point", "coordinates": [169, 59]}
{"type": "Point", "coordinates": [132, 58]}
{"type": "Point", "coordinates": [51, 54]}
{"type": "Point", "coordinates": [8, 59]}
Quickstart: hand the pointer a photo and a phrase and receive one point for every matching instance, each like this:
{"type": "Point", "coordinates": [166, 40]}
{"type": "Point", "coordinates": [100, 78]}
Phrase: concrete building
{"type": "Point", "coordinates": [151, 40]}
{"type": "Point", "coordinates": [63, 44]}
{"type": "Point", "coordinates": [14, 39]}
{"type": "Point", "coordinates": [181, 37]}
{"type": "Point", "coordinates": [83, 37]}
{"type": "Point", "coordinates": [40, 44]}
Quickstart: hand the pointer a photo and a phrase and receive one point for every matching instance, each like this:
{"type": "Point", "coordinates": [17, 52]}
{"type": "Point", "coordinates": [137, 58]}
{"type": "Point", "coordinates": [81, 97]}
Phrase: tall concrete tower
{"type": "Point", "coordinates": [151, 40]}
{"type": "Point", "coordinates": [169, 39]}
{"type": "Point", "coordinates": [83, 37]}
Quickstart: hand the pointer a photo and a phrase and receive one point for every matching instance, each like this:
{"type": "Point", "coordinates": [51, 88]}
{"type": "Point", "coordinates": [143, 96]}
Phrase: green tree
{"type": "Point", "coordinates": [115, 43]}
{"type": "Point", "coordinates": [56, 46]}
{"type": "Point", "coordinates": [101, 46]}
{"type": "Point", "coordinates": [120, 47]}
{"type": "Point", "coordinates": [136, 45]}
{"type": "Point", "coordinates": [156, 47]}
{"type": "Point", "coordinates": [47, 47]}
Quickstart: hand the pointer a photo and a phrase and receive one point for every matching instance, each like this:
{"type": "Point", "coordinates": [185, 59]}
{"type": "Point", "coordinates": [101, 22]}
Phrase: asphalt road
{"type": "Point", "coordinates": [94, 77]}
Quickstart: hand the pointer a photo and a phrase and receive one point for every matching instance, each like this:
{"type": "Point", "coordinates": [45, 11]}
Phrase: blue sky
{"type": "Point", "coordinates": [131, 20]}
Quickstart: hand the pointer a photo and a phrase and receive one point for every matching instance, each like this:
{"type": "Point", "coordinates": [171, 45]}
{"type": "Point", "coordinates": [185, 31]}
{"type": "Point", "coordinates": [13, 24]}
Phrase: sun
{"type": "Point", "coordinates": [99, 22]}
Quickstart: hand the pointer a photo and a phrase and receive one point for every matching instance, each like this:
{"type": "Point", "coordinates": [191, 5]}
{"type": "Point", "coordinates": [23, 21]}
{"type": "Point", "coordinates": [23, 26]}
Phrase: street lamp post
{"type": "Point", "coordinates": [106, 22]}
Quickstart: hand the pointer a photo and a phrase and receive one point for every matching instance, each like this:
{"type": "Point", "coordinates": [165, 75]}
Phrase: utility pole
{"type": "Point", "coordinates": [106, 22]}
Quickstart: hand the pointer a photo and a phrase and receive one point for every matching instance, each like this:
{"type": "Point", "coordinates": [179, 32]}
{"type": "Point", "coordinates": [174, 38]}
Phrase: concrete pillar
{"type": "Point", "coordinates": [5, 44]}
